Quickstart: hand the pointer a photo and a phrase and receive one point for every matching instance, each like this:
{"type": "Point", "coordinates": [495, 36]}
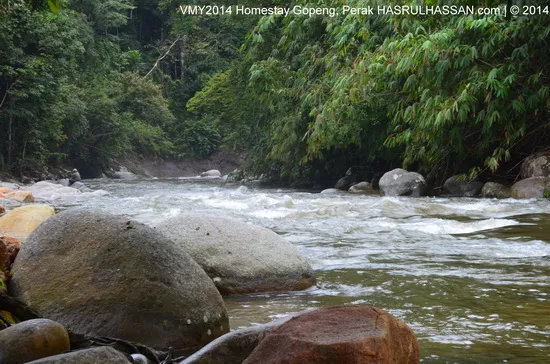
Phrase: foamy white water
{"type": "Point", "coordinates": [470, 276]}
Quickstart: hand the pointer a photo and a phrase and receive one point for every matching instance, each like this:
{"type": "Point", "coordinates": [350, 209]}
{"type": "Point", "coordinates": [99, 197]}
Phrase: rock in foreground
{"type": "Point", "coordinates": [97, 355]}
{"type": "Point", "coordinates": [352, 334]}
{"type": "Point", "coordinates": [22, 221]}
{"type": "Point", "coordinates": [105, 275]}
{"type": "Point", "coordinates": [239, 257]}
{"type": "Point", "coordinates": [32, 339]}
{"type": "Point", "coordinates": [400, 182]}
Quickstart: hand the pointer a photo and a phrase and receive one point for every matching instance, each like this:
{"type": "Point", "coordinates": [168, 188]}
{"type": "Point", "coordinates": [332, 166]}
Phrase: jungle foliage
{"type": "Point", "coordinates": [304, 97]}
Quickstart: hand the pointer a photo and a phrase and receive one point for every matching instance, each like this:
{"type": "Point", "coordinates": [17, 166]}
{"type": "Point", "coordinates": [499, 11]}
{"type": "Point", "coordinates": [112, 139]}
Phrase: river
{"type": "Point", "coordinates": [471, 277]}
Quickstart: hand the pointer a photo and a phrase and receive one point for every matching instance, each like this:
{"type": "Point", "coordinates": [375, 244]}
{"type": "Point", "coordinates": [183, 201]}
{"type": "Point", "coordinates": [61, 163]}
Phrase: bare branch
{"type": "Point", "coordinates": [162, 57]}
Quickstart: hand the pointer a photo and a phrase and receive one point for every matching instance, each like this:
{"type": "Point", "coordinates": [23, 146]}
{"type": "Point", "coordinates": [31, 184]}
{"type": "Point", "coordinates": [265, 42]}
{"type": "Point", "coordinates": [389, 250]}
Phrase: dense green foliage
{"type": "Point", "coordinates": [304, 97]}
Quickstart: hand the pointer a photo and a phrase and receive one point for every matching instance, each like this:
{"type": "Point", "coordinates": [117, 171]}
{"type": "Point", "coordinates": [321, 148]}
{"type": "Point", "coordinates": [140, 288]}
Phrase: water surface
{"type": "Point", "coordinates": [471, 277]}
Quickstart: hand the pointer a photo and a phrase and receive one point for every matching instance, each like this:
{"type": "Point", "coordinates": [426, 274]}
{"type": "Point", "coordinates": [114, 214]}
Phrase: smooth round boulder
{"type": "Point", "coordinates": [399, 182]}
{"type": "Point", "coordinates": [349, 334]}
{"type": "Point", "coordinates": [460, 186]}
{"type": "Point", "coordinates": [495, 190]}
{"type": "Point", "coordinates": [211, 173]}
{"type": "Point", "coordinates": [344, 183]}
{"type": "Point", "coordinates": [240, 257]}
{"type": "Point", "coordinates": [536, 165]}
{"type": "Point", "coordinates": [19, 223]}
{"type": "Point", "coordinates": [31, 340]}
{"type": "Point", "coordinates": [361, 187]}
{"type": "Point", "coordinates": [533, 187]}
{"type": "Point", "coordinates": [103, 354]}
{"type": "Point", "coordinates": [106, 275]}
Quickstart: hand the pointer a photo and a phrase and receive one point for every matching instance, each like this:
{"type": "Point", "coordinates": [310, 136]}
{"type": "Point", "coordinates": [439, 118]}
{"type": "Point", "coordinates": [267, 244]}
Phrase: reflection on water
{"type": "Point", "coordinates": [471, 277]}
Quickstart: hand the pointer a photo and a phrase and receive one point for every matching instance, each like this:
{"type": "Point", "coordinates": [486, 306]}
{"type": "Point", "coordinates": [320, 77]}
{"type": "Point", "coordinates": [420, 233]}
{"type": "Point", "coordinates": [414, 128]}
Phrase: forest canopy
{"type": "Point", "coordinates": [303, 97]}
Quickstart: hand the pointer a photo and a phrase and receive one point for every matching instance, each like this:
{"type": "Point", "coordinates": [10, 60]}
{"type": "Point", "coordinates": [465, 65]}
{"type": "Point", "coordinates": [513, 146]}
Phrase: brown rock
{"type": "Point", "coordinates": [2, 208]}
{"type": "Point", "coordinates": [22, 221]}
{"type": "Point", "coordinates": [9, 247]}
{"type": "Point", "coordinates": [31, 340]}
{"type": "Point", "coordinates": [348, 334]}
{"type": "Point", "coordinates": [4, 190]}
{"type": "Point", "coordinates": [21, 196]}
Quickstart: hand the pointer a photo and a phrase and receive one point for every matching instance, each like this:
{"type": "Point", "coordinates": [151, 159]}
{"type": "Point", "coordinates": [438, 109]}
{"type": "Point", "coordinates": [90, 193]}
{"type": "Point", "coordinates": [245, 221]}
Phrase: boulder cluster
{"type": "Point", "coordinates": [83, 286]}
{"type": "Point", "coordinates": [534, 183]}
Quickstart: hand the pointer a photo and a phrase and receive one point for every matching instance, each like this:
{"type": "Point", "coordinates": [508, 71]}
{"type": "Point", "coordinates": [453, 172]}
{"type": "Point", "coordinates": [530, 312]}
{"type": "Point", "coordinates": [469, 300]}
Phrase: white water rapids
{"type": "Point", "coordinates": [471, 277]}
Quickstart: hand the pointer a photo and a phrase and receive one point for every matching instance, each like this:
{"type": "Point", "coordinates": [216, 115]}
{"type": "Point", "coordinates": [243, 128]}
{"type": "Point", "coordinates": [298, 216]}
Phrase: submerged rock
{"type": "Point", "coordinates": [400, 182]}
{"type": "Point", "coordinates": [104, 354]}
{"type": "Point", "coordinates": [350, 334]}
{"type": "Point", "coordinates": [31, 340]}
{"type": "Point", "coordinates": [106, 275]}
{"type": "Point", "coordinates": [19, 223]}
{"type": "Point", "coordinates": [240, 257]}
{"type": "Point", "coordinates": [533, 187]}
{"type": "Point", "coordinates": [460, 186]}
{"type": "Point", "coordinates": [495, 190]}
{"type": "Point", "coordinates": [331, 191]}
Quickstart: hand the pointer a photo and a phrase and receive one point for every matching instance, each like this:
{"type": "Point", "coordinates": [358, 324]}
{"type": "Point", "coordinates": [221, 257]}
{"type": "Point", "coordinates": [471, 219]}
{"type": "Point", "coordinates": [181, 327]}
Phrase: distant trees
{"type": "Point", "coordinates": [443, 94]}
{"type": "Point", "coordinates": [87, 81]}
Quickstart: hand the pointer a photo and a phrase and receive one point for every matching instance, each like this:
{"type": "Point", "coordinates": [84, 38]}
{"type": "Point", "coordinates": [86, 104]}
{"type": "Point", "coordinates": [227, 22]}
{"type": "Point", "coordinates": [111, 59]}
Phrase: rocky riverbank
{"type": "Point", "coordinates": [534, 182]}
{"type": "Point", "coordinates": [82, 286]}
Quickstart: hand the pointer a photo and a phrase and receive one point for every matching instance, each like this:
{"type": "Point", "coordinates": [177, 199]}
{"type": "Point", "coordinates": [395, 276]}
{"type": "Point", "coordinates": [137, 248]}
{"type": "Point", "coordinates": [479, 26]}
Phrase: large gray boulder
{"type": "Point", "coordinates": [239, 257]}
{"type": "Point", "coordinates": [106, 275]}
{"type": "Point", "coordinates": [533, 187]}
{"type": "Point", "coordinates": [460, 186]}
{"type": "Point", "coordinates": [495, 190]}
{"type": "Point", "coordinates": [400, 182]}
{"type": "Point", "coordinates": [536, 165]}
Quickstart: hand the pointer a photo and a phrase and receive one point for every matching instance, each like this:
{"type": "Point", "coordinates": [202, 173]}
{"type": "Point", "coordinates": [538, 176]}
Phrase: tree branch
{"type": "Point", "coordinates": [162, 57]}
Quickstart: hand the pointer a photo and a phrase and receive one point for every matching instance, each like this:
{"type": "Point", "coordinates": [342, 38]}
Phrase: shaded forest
{"type": "Point", "coordinates": [86, 82]}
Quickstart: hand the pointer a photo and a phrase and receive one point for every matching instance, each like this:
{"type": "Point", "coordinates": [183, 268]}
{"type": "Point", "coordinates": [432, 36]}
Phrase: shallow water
{"type": "Point", "coordinates": [471, 277]}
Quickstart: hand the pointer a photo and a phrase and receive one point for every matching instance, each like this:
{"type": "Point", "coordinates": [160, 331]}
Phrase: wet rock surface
{"type": "Point", "coordinates": [97, 355]}
{"type": "Point", "coordinates": [352, 334]}
{"type": "Point", "coordinates": [31, 340]}
{"type": "Point", "coordinates": [240, 257]}
{"type": "Point", "coordinates": [105, 275]}
{"type": "Point", "coordinates": [400, 182]}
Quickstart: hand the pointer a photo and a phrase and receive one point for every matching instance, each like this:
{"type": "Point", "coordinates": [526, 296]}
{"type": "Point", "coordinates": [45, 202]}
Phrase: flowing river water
{"type": "Point", "coordinates": [471, 277]}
